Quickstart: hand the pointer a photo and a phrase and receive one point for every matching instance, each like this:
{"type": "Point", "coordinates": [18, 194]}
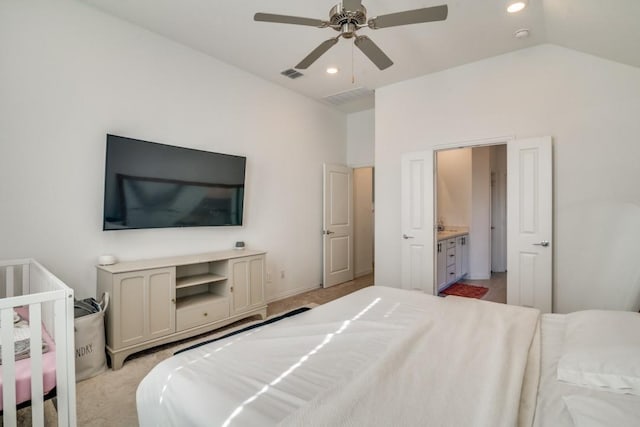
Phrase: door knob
{"type": "Point", "coordinates": [404, 236]}
{"type": "Point", "coordinates": [544, 243]}
{"type": "Point", "coordinates": [327, 232]}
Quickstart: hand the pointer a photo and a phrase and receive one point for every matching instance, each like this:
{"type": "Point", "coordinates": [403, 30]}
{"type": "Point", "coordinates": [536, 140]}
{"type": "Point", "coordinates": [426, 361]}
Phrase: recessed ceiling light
{"type": "Point", "coordinates": [516, 6]}
{"type": "Point", "coordinates": [332, 70]}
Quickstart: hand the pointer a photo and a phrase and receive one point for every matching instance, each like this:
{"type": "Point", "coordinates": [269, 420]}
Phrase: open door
{"type": "Point", "coordinates": [417, 221]}
{"type": "Point", "coordinates": [529, 223]}
{"type": "Point", "coordinates": [337, 225]}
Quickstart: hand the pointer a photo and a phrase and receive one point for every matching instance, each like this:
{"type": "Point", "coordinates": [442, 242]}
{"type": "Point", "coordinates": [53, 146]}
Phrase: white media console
{"type": "Point", "coordinates": [157, 301]}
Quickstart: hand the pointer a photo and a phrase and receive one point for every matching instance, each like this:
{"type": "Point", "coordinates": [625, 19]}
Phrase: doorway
{"type": "Point", "coordinates": [470, 209]}
{"type": "Point", "coordinates": [348, 223]}
{"type": "Point", "coordinates": [529, 219]}
{"type": "Point", "coordinates": [363, 221]}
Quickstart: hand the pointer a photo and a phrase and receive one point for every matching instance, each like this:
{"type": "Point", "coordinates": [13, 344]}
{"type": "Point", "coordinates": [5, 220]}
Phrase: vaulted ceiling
{"type": "Point", "coordinates": [473, 30]}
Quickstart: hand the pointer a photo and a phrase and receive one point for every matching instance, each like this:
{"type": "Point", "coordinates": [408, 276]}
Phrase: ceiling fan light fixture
{"type": "Point", "coordinates": [347, 18]}
{"type": "Point", "coordinates": [516, 6]}
{"type": "Point", "coordinates": [332, 70]}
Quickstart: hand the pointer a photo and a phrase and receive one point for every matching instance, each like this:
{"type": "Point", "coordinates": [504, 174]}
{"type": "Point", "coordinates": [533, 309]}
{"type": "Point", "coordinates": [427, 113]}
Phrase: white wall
{"type": "Point", "coordinates": [69, 74]}
{"type": "Point", "coordinates": [361, 138]}
{"type": "Point", "coordinates": [590, 107]}
{"type": "Point", "coordinates": [454, 187]}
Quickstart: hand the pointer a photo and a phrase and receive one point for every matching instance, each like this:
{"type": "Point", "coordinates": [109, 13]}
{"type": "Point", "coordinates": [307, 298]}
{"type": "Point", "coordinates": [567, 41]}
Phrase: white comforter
{"type": "Point", "coordinates": [380, 356]}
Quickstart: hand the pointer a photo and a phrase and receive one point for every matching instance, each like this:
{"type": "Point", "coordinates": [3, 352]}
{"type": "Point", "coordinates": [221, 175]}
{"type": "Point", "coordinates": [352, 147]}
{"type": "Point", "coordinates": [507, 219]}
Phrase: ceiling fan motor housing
{"type": "Point", "coordinates": [347, 21]}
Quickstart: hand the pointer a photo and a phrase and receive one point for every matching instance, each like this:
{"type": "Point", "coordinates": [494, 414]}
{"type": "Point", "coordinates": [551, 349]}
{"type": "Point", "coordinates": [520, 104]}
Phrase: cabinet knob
{"type": "Point", "coordinates": [231, 289]}
{"type": "Point", "coordinates": [206, 314]}
{"type": "Point", "coordinates": [173, 300]}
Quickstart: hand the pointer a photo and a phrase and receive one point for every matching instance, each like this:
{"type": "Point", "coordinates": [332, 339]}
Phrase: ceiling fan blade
{"type": "Point", "coordinates": [317, 53]}
{"type": "Point", "coordinates": [352, 5]}
{"type": "Point", "coordinates": [373, 52]}
{"type": "Point", "coordinates": [417, 16]}
{"type": "Point", "coordinates": [286, 19]}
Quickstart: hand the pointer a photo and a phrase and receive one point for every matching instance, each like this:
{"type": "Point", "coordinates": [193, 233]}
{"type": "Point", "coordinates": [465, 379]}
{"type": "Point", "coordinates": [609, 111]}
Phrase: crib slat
{"type": "Point", "coordinates": [37, 388]}
{"type": "Point", "coordinates": [62, 391]}
{"type": "Point", "coordinates": [8, 368]}
{"type": "Point", "coordinates": [69, 355]}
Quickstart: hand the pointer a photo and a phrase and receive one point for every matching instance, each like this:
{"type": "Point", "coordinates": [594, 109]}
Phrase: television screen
{"type": "Point", "coordinates": [151, 185]}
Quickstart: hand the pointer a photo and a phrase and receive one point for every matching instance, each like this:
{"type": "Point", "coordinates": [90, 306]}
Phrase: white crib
{"type": "Point", "coordinates": [27, 284]}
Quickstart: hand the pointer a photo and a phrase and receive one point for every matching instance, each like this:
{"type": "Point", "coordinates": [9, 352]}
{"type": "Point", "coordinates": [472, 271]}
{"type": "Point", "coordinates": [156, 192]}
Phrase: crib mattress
{"type": "Point", "coordinates": [23, 369]}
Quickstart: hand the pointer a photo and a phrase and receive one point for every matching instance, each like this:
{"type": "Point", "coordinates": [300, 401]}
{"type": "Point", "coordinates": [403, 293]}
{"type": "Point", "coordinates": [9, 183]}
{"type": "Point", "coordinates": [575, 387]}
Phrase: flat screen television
{"type": "Point", "coordinates": [151, 185]}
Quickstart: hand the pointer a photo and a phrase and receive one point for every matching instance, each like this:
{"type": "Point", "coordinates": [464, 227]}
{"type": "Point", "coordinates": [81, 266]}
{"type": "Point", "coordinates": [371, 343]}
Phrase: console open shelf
{"type": "Point", "coordinates": [185, 282]}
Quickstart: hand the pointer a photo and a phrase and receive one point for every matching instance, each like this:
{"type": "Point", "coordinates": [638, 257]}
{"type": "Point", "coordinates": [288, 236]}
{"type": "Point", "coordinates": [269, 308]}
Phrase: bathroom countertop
{"type": "Point", "coordinates": [447, 234]}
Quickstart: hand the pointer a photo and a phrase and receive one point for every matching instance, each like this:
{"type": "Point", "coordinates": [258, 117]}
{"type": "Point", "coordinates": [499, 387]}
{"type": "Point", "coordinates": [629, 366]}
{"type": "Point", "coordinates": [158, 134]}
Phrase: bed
{"type": "Point", "coordinates": [36, 339]}
{"type": "Point", "coordinates": [380, 357]}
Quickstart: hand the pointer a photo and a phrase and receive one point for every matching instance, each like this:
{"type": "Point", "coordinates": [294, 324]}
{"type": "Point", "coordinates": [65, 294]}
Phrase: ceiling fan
{"type": "Point", "coordinates": [347, 18]}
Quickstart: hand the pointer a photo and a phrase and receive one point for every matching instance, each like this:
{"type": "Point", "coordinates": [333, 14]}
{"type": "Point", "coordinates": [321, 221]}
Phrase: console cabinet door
{"type": "Point", "coordinates": [161, 313]}
{"type": "Point", "coordinates": [143, 306]}
{"type": "Point", "coordinates": [247, 282]}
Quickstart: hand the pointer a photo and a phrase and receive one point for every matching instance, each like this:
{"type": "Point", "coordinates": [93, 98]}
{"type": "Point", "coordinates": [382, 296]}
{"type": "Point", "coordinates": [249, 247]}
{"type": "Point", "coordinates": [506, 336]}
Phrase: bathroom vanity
{"type": "Point", "coordinates": [452, 256]}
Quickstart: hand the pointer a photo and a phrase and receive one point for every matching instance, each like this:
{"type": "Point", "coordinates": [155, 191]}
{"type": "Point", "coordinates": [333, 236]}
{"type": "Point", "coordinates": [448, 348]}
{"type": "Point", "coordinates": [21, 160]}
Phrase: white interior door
{"type": "Point", "coordinates": [337, 230]}
{"type": "Point", "coordinates": [529, 223]}
{"type": "Point", "coordinates": [417, 221]}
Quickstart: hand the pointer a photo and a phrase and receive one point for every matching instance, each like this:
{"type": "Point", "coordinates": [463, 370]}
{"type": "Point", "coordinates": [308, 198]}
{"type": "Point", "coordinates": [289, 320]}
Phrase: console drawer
{"type": "Point", "coordinates": [201, 312]}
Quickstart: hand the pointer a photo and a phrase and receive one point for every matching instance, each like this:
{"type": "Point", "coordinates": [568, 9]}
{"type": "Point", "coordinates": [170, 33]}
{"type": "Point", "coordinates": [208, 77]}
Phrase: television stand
{"type": "Point", "coordinates": [158, 301]}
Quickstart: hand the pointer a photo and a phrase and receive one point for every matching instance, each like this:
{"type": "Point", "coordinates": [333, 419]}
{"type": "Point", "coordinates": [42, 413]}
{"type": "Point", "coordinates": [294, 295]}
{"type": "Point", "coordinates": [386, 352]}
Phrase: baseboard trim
{"type": "Point", "coordinates": [481, 277]}
{"type": "Point", "coordinates": [292, 292]}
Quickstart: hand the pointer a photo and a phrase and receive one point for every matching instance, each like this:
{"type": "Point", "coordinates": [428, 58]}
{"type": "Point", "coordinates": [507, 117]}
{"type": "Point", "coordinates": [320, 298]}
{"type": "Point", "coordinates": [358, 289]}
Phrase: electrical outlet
{"type": "Point", "coordinates": [282, 274]}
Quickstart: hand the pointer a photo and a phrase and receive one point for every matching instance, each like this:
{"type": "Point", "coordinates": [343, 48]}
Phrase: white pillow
{"type": "Point", "coordinates": [602, 351]}
{"type": "Point", "coordinates": [591, 412]}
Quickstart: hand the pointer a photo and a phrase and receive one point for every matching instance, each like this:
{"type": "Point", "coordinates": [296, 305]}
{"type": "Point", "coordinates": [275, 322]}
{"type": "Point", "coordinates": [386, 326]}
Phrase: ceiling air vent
{"type": "Point", "coordinates": [291, 73]}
